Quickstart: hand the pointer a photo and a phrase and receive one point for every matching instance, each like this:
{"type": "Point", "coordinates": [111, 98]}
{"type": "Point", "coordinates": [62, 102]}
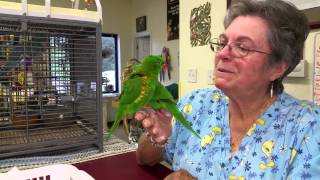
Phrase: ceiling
{"type": "Point", "coordinates": [306, 4]}
{"type": "Point", "coordinates": [311, 8]}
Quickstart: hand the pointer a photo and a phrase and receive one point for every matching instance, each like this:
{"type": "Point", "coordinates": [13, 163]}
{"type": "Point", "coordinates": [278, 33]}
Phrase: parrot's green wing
{"type": "Point", "coordinates": [139, 87]}
{"type": "Point", "coordinates": [131, 90]}
{"type": "Point", "coordinates": [136, 93]}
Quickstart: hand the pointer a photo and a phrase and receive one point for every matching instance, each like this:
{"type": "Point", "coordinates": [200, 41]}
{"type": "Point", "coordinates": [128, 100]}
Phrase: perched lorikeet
{"type": "Point", "coordinates": [142, 88]}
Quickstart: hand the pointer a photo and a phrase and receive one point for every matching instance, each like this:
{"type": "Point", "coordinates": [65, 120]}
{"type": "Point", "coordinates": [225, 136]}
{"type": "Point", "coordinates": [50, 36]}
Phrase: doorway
{"type": "Point", "coordinates": [142, 46]}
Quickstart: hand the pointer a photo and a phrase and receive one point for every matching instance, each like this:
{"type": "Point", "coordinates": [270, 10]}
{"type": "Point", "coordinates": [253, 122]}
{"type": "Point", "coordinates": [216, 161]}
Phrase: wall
{"type": "Point", "coordinates": [117, 19]}
{"type": "Point", "coordinates": [202, 58]}
{"type": "Point", "coordinates": [156, 12]}
{"type": "Point", "coordinates": [302, 87]}
{"type": "Point", "coordinates": [120, 17]}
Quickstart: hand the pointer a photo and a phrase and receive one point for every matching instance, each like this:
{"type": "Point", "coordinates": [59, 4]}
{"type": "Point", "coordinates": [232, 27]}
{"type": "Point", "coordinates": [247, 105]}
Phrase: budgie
{"type": "Point", "coordinates": [142, 88]}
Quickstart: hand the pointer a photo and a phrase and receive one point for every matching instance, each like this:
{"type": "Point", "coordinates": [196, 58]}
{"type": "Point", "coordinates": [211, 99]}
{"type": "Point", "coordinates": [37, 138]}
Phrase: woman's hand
{"type": "Point", "coordinates": [157, 123]}
{"type": "Point", "coordinates": [180, 175]}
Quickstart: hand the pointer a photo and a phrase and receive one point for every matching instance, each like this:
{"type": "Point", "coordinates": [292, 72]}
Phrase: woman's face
{"type": "Point", "coordinates": [244, 74]}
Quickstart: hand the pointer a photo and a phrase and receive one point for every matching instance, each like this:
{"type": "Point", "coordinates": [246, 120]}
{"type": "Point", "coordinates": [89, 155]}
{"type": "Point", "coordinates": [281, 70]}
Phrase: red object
{"type": "Point", "coordinates": [123, 166]}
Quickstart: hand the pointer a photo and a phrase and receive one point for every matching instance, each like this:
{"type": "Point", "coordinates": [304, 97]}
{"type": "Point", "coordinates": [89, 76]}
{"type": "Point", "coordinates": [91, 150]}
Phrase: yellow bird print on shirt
{"type": "Point", "coordinates": [254, 126]}
{"type": "Point", "coordinates": [216, 130]}
{"type": "Point", "coordinates": [251, 130]}
{"type": "Point", "coordinates": [261, 121]}
{"type": "Point", "coordinates": [173, 121]}
{"type": "Point", "coordinates": [293, 155]}
{"type": "Point", "coordinates": [264, 166]}
{"type": "Point", "coordinates": [216, 96]}
{"type": "Point", "coordinates": [267, 148]}
{"type": "Point", "coordinates": [207, 139]}
{"type": "Point", "coordinates": [232, 177]}
{"type": "Point", "coordinates": [187, 108]}
{"type": "Point", "coordinates": [310, 108]}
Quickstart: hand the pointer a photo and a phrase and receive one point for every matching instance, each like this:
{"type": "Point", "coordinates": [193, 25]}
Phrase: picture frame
{"type": "Point", "coordinates": [172, 20]}
{"type": "Point", "coordinates": [141, 23]}
{"type": "Point", "coordinates": [313, 18]}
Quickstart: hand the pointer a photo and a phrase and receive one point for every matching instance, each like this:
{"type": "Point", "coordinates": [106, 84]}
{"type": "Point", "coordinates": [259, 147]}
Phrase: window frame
{"type": "Point", "coordinates": [117, 78]}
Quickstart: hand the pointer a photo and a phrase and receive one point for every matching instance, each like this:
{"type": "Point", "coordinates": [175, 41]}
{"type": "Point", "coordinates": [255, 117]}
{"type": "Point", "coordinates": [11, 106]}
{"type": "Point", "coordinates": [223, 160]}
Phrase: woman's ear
{"type": "Point", "coordinates": [278, 70]}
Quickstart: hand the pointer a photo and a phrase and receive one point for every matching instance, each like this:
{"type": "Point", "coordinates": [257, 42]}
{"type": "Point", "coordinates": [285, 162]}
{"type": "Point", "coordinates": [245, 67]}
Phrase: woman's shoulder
{"type": "Point", "coordinates": [204, 92]}
{"type": "Point", "coordinates": [203, 97]}
{"type": "Point", "coordinates": [301, 108]}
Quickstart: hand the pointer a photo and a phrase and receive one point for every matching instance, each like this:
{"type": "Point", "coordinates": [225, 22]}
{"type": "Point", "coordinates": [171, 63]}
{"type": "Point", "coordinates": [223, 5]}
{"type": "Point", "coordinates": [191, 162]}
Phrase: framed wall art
{"type": "Point", "coordinates": [200, 25]}
{"type": "Point", "coordinates": [141, 23]}
{"type": "Point", "coordinates": [172, 19]}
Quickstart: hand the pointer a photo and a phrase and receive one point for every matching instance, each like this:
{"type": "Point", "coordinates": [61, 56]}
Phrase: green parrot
{"type": "Point", "coordinates": [142, 88]}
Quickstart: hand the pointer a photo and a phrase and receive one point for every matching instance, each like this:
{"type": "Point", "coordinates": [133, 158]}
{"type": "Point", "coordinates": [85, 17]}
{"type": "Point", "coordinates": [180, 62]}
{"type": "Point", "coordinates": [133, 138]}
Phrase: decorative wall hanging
{"type": "Point", "coordinates": [166, 68]}
{"type": "Point", "coordinates": [172, 19]}
{"type": "Point", "coordinates": [316, 71]}
{"type": "Point", "coordinates": [141, 23]}
{"type": "Point", "coordinates": [200, 25]}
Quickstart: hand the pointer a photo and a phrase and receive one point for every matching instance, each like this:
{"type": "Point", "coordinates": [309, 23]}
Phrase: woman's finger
{"type": "Point", "coordinates": [141, 115]}
{"type": "Point", "coordinates": [165, 113]}
{"type": "Point", "coordinates": [154, 131]}
{"type": "Point", "coordinates": [148, 123]}
{"type": "Point", "coordinates": [160, 139]}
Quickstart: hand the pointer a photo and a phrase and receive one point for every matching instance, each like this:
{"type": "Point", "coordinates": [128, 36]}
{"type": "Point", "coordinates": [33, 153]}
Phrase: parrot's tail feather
{"type": "Point", "coordinates": [177, 114]}
{"type": "Point", "coordinates": [115, 123]}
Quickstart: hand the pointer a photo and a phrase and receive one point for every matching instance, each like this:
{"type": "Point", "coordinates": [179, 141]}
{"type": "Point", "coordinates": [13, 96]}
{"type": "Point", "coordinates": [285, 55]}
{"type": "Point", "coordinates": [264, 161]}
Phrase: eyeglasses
{"type": "Point", "coordinates": [238, 49]}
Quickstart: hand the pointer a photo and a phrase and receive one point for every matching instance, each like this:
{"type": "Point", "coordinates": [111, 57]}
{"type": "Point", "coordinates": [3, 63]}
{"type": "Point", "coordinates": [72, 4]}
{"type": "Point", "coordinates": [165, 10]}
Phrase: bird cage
{"type": "Point", "coordinates": [50, 79]}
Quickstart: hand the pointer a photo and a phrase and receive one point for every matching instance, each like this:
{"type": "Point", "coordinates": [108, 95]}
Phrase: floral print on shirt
{"type": "Point", "coordinates": [284, 143]}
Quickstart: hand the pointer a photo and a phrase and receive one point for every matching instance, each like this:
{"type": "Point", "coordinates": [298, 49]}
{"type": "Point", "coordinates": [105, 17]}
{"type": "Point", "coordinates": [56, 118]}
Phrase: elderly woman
{"type": "Point", "coordinates": [250, 128]}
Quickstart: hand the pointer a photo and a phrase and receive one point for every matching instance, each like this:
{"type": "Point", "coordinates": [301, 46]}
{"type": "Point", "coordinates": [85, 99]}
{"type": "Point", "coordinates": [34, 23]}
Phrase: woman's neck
{"type": "Point", "coordinates": [248, 108]}
{"type": "Point", "coordinates": [243, 114]}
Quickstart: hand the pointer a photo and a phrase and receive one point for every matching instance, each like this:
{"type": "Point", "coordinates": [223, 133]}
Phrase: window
{"type": "Point", "coordinates": [110, 64]}
{"type": "Point", "coordinates": [60, 65]}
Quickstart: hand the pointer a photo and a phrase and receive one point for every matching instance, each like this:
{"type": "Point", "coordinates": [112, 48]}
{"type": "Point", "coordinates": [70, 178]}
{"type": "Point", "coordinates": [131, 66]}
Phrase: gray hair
{"type": "Point", "coordinates": [286, 36]}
